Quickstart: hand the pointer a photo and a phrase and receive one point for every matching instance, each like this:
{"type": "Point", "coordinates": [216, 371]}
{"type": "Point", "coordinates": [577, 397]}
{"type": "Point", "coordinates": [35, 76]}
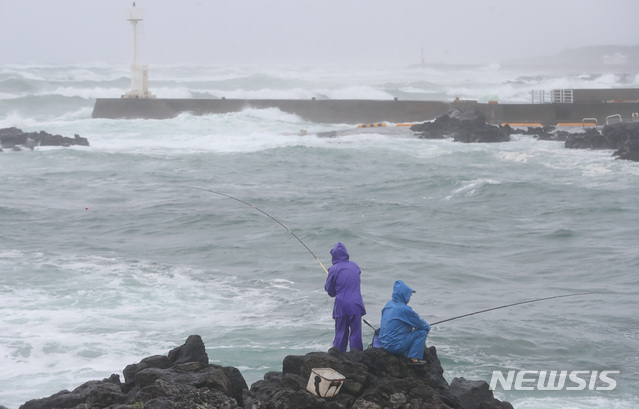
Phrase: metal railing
{"type": "Point", "coordinates": [613, 119]}
{"type": "Point", "coordinates": [538, 96]}
{"type": "Point", "coordinates": [561, 96]}
{"type": "Point", "coordinates": [589, 123]}
{"type": "Point", "coordinates": [556, 96]}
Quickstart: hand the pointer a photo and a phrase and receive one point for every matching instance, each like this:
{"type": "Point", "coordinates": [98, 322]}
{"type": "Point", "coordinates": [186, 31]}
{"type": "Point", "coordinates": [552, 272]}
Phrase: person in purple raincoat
{"type": "Point", "coordinates": [343, 283]}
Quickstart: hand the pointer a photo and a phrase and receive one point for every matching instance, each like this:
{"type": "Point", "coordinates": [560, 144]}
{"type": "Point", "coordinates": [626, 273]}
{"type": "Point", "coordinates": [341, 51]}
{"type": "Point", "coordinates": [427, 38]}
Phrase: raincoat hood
{"type": "Point", "coordinates": [339, 253]}
{"type": "Point", "coordinates": [401, 292]}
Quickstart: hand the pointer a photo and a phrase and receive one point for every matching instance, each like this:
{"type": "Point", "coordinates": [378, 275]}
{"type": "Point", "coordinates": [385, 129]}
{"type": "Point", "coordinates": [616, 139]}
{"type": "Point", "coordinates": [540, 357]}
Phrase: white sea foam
{"type": "Point", "coordinates": [515, 156]}
{"type": "Point", "coordinates": [107, 306]}
{"type": "Point", "coordinates": [470, 188]}
{"type": "Point", "coordinates": [357, 92]}
{"type": "Point", "coordinates": [88, 93]}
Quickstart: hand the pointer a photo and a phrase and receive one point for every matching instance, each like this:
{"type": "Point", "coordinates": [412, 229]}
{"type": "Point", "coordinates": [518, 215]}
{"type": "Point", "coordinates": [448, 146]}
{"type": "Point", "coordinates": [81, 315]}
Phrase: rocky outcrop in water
{"type": "Point", "coordinates": [470, 126]}
{"type": "Point", "coordinates": [591, 138]}
{"type": "Point", "coordinates": [545, 133]}
{"type": "Point", "coordinates": [15, 139]}
{"type": "Point", "coordinates": [463, 126]}
{"type": "Point", "coordinates": [623, 137]}
{"type": "Point", "coordinates": [630, 149]}
{"type": "Point", "coordinates": [374, 379]}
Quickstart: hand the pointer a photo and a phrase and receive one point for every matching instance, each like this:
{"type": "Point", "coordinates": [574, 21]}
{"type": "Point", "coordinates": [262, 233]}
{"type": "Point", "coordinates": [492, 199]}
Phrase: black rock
{"type": "Point", "coordinates": [545, 133]}
{"type": "Point", "coordinates": [463, 126]}
{"type": "Point", "coordinates": [629, 150]}
{"type": "Point", "coordinates": [619, 136]}
{"type": "Point", "coordinates": [374, 379]}
{"type": "Point", "coordinates": [476, 395]}
{"type": "Point", "coordinates": [99, 394]}
{"type": "Point", "coordinates": [16, 139]}
{"type": "Point", "coordinates": [184, 379]}
{"type": "Point", "coordinates": [156, 361]}
{"type": "Point", "coordinates": [193, 350]}
{"type": "Point", "coordinates": [591, 138]}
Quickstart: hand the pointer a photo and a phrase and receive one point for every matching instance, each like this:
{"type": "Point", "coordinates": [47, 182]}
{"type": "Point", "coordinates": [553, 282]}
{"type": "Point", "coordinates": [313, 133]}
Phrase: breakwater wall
{"type": "Point", "coordinates": [321, 111]}
{"type": "Point", "coordinates": [367, 111]}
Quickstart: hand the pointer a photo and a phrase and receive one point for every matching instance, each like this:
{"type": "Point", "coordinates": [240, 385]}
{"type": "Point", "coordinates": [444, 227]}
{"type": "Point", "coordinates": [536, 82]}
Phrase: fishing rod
{"type": "Point", "coordinates": [368, 323]}
{"type": "Point", "coordinates": [265, 214]}
{"type": "Point", "coordinates": [509, 305]}
{"type": "Point", "coordinates": [497, 308]}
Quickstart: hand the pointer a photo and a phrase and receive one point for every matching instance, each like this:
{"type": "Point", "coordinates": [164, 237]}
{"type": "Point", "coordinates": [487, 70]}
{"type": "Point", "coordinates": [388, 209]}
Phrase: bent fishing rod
{"type": "Point", "coordinates": [265, 214]}
{"type": "Point", "coordinates": [498, 308]}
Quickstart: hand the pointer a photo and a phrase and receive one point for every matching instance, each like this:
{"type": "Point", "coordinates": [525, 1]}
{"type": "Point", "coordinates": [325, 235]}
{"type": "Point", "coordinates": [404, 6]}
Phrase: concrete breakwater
{"type": "Point", "coordinates": [320, 111]}
{"type": "Point", "coordinates": [597, 104]}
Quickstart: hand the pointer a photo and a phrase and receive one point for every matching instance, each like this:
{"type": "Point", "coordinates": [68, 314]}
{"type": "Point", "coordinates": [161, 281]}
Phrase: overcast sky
{"type": "Point", "coordinates": [308, 32]}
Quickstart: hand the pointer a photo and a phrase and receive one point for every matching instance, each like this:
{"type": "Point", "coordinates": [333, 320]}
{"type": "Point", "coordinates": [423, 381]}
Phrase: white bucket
{"type": "Point", "coordinates": [325, 382]}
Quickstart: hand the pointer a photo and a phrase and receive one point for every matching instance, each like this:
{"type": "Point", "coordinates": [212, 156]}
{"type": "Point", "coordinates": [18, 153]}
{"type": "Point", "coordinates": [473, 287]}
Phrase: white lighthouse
{"type": "Point", "coordinates": [139, 72]}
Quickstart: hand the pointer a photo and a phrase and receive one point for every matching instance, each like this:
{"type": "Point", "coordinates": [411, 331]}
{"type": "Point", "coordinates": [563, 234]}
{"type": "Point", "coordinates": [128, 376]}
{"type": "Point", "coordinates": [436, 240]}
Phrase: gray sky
{"type": "Point", "coordinates": [304, 31]}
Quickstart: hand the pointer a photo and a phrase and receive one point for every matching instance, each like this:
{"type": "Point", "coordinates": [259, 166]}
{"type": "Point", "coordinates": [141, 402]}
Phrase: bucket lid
{"type": "Point", "coordinates": [328, 373]}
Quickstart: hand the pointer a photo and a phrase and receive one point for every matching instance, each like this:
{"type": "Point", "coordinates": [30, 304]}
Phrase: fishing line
{"type": "Point", "coordinates": [497, 308]}
{"type": "Point", "coordinates": [509, 305]}
{"type": "Point", "coordinates": [265, 214]}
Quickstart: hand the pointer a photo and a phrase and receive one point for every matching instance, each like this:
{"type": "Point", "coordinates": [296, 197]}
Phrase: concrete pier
{"type": "Point", "coordinates": [597, 104]}
{"type": "Point", "coordinates": [321, 111]}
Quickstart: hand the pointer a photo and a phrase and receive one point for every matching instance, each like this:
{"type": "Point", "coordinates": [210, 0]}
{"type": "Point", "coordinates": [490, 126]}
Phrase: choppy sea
{"type": "Point", "coordinates": [108, 255]}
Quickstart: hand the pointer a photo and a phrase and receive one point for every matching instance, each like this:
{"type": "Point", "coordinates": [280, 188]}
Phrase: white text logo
{"type": "Point", "coordinates": [554, 380]}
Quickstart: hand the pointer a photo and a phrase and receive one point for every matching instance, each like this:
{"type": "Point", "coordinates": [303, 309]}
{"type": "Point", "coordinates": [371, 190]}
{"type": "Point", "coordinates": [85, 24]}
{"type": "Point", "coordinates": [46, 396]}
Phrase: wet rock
{"type": "Point", "coordinates": [617, 136]}
{"type": "Point", "coordinates": [628, 132]}
{"type": "Point", "coordinates": [192, 351]}
{"type": "Point", "coordinates": [545, 133]}
{"type": "Point", "coordinates": [630, 150]}
{"type": "Point", "coordinates": [468, 126]}
{"type": "Point", "coordinates": [156, 361]}
{"type": "Point", "coordinates": [374, 379]}
{"type": "Point", "coordinates": [591, 138]}
{"type": "Point", "coordinates": [183, 379]}
{"type": "Point", "coordinates": [476, 395]}
{"type": "Point", "coordinates": [15, 139]}
{"type": "Point", "coordinates": [623, 137]}
{"type": "Point", "coordinates": [99, 394]}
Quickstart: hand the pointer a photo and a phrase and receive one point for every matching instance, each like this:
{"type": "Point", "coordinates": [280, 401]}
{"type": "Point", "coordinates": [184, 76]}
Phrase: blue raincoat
{"type": "Point", "coordinates": [402, 331]}
{"type": "Point", "coordinates": [343, 283]}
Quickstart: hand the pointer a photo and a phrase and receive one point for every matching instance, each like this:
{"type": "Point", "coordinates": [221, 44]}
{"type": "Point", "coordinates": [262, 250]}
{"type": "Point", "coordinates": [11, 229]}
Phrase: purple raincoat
{"type": "Point", "coordinates": [343, 283]}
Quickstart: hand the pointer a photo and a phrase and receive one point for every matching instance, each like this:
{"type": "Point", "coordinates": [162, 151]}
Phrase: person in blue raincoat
{"type": "Point", "coordinates": [343, 283]}
{"type": "Point", "coordinates": [402, 330]}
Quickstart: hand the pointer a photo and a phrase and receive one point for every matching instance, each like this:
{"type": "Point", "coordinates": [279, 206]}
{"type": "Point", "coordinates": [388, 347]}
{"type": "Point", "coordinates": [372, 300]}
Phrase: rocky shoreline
{"type": "Point", "coordinates": [184, 379]}
{"type": "Point", "coordinates": [16, 140]}
{"type": "Point", "coordinates": [469, 126]}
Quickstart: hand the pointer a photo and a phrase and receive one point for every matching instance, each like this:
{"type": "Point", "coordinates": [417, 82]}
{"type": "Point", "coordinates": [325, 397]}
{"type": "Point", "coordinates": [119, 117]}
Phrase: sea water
{"type": "Point", "coordinates": [110, 255]}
